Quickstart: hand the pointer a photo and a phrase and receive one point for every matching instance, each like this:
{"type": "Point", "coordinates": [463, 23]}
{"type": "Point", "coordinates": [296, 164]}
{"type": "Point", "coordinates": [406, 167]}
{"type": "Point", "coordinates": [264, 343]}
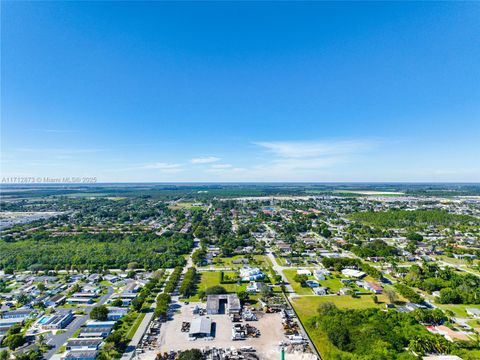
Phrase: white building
{"type": "Point", "coordinates": [251, 274]}
{"type": "Point", "coordinates": [352, 273]}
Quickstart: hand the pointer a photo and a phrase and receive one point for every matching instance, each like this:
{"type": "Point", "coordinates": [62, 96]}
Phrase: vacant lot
{"type": "Point", "coordinates": [234, 262]}
{"type": "Point", "coordinates": [212, 278]}
{"type": "Point", "coordinates": [185, 205]}
{"type": "Point", "coordinates": [306, 306]}
{"type": "Point", "coordinates": [290, 274]}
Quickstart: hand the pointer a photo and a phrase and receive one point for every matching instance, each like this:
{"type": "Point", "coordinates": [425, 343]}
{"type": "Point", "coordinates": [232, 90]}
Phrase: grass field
{"type": "Point", "coordinates": [474, 323]}
{"type": "Point", "coordinates": [87, 194]}
{"type": "Point", "coordinates": [468, 354]}
{"type": "Point", "coordinates": [290, 274]}
{"type": "Point", "coordinates": [185, 205]}
{"type": "Point", "coordinates": [134, 327]}
{"type": "Point", "coordinates": [306, 306]}
{"type": "Point", "coordinates": [260, 261]}
{"type": "Point", "coordinates": [212, 278]}
{"type": "Point", "coordinates": [458, 309]}
{"type": "Point", "coordinates": [333, 284]}
{"type": "Point", "coordinates": [297, 261]}
{"type": "Point", "coordinates": [454, 261]}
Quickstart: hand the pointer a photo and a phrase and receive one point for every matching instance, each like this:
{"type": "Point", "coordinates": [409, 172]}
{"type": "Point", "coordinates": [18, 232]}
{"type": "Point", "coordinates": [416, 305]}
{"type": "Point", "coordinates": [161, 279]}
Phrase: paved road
{"type": "Point", "coordinates": [279, 269]}
{"type": "Point", "coordinates": [137, 337]}
{"type": "Point", "coordinates": [142, 328]}
{"type": "Point", "coordinates": [289, 292]}
{"type": "Point", "coordinates": [58, 340]}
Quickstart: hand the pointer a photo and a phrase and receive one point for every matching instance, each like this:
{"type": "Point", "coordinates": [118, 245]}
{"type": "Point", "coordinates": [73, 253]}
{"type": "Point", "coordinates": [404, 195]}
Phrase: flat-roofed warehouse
{"type": "Point", "coordinates": [81, 355]}
{"type": "Point", "coordinates": [83, 343]}
{"type": "Point", "coordinates": [200, 327]}
{"type": "Point", "coordinates": [224, 303]}
{"type": "Point", "coordinates": [94, 332]}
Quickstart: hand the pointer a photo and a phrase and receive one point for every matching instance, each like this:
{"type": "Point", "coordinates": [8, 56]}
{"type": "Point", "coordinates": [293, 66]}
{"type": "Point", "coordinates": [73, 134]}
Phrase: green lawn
{"type": "Point", "coordinates": [468, 354]}
{"type": "Point", "coordinates": [290, 274]}
{"type": "Point", "coordinates": [281, 260]}
{"type": "Point", "coordinates": [260, 261]}
{"type": "Point", "coordinates": [133, 329]}
{"type": "Point", "coordinates": [212, 278]}
{"type": "Point", "coordinates": [474, 323]}
{"type": "Point", "coordinates": [297, 261]}
{"type": "Point", "coordinates": [452, 260]}
{"type": "Point", "coordinates": [306, 306]}
{"type": "Point", "coordinates": [458, 309]}
{"type": "Point", "coordinates": [333, 284]}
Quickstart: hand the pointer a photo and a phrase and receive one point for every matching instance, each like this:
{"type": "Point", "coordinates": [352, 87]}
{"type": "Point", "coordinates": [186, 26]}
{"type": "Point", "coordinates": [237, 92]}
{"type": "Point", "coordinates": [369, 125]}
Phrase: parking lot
{"type": "Point", "coordinates": [172, 338]}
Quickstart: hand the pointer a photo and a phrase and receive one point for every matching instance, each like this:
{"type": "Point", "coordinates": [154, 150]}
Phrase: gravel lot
{"type": "Point", "coordinates": [171, 337]}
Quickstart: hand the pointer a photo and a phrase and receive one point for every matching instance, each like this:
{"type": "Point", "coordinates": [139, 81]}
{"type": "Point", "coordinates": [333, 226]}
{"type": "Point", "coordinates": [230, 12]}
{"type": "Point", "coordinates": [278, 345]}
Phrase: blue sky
{"type": "Point", "coordinates": [241, 91]}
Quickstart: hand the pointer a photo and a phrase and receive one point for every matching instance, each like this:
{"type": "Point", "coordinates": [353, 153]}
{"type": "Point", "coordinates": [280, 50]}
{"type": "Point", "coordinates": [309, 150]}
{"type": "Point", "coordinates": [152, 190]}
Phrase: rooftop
{"type": "Point", "coordinates": [201, 325]}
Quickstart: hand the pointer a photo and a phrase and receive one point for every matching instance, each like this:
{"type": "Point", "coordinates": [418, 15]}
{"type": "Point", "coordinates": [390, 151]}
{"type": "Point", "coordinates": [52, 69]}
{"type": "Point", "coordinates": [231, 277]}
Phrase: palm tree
{"type": "Point", "coordinates": [42, 345]}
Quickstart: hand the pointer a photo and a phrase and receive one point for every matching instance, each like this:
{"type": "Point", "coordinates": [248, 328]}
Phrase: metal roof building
{"type": "Point", "coordinates": [224, 303]}
{"type": "Point", "coordinates": [84, 343]}
{"type": "Point", "coordinates": [94, 332]}
{"type": "Point", "coordinates": [81, 355]}
{"type": "Point", "coordinates": [200, 327]}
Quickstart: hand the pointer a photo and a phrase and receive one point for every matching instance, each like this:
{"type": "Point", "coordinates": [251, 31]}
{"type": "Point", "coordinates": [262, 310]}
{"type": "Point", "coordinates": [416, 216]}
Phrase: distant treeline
{"type": "Point", "coordinates": [155, 191]}
{"type": "Point", "coordinates": [95, 251]}
{"type": "Point", "coordinates": [405, 218]}
{"type": "Point", "coordinates": [202, 192]}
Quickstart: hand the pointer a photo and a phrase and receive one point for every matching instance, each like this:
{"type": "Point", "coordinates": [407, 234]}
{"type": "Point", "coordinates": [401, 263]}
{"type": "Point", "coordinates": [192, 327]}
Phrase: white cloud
{"type": "Point", "coordinates": [295, 161]}
{"type": "Point", "coordinates": [205, 160]}
{"type": "Point", "coordinates": [310, 149]}
{"type": "Point", "coordinates": [162, 166]}
{"type": "Point", "coordinates": [300, 160]}
{"type": "Point", "coordinates": [221, 166]}
{"type": "Point", "coordinates": [305, 164]}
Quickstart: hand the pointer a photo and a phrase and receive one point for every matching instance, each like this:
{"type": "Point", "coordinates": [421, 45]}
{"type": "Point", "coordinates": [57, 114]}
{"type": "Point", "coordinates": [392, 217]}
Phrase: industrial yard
{"type": "Point", "coordinates": [265, 342]}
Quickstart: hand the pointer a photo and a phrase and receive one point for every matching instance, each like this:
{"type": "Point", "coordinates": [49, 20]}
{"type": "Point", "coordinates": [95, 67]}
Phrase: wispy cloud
{"type": "Point", "coordinates": [221, 166]}
{"type": "Point", "coordinates": [310, 149]}
{"type": "Point", "coordinates": [162, 166]}
{"type": "Point", "coordinates": [299, 160]}
{"type": "Point", "coordinates": [205, 160]}
{"type": "Point", "coordinates": [220, 169]}
{"type": "Point", "coordinates": [305, 164]}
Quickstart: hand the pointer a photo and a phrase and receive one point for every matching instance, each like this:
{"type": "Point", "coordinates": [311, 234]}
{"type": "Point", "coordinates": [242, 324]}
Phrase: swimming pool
{"type": "Point", "coordinates": [43, 320]}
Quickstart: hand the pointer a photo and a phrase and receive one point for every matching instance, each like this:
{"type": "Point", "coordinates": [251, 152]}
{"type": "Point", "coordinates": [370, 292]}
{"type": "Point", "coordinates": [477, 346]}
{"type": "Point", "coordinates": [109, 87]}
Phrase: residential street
{"type": "Point", "coordinates": [279, 269]}
{"type": "Point", "coordinates": [58, 340]}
